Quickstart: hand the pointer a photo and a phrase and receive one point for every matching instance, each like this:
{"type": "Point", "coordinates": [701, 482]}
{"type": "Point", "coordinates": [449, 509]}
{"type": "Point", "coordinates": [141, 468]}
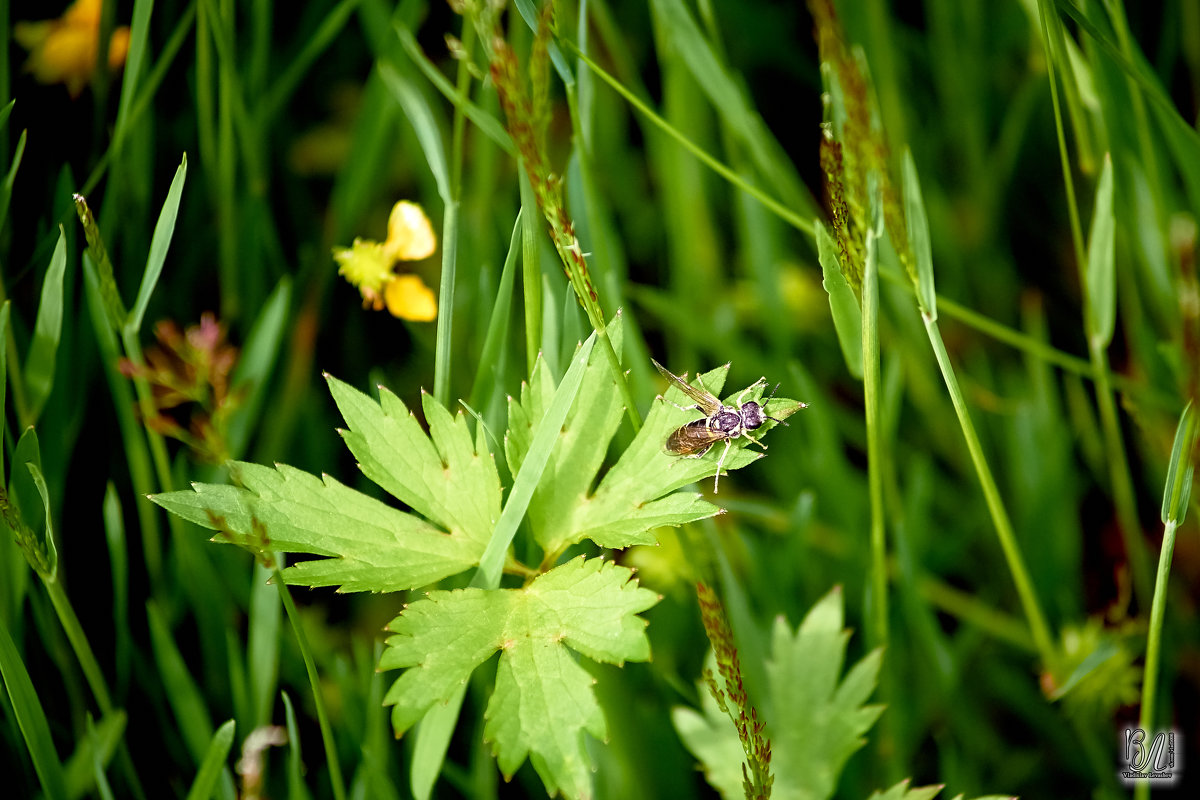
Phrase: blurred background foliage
{"type": "Point", "coordinates": [298, 129]}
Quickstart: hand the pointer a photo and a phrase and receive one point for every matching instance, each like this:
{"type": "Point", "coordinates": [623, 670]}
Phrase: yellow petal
{"type": "Point", "coordinates": [118, 47]}
{"type": "Point", "coordinates": [364, 264]}
{"type": "Point", "coordinates": [408, 297]}
{"type": "Point", "coordinates": [83, 14]}
{"type": "Point", "coordinates": [68, 55]}
{"type": "Point", "coordinates": [410, 236]}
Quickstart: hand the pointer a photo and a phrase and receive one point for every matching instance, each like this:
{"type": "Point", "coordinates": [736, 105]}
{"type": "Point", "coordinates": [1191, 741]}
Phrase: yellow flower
{"type": "Point", "coordinates": [408, 297]}
{"type": "Point", "coordinates": [365, 265]}
{"type": "Point", "coordinates": [64, 50]}
{"type": "Point", "coordinates": [368, 265]}
{"type": "Point", "coordinates": [410, 236]}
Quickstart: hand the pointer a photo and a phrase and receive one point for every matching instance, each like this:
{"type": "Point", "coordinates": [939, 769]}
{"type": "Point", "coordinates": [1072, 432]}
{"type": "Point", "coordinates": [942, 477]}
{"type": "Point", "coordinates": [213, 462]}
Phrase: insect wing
{"type": "Point", "coordinates": [709, 404]}
{"type": "Point", "coordinates": [693, 439]}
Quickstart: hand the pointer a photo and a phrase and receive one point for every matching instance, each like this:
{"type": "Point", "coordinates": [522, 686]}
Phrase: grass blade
{"type": "Point", "coordinates": [1101, 261]}
{"type": "Point", "coordinates": [205, 784]}
{"type": "Point", "coordinates": [31, 718]}
{"type": "Point", "coordinates": [918, 237]}
{"type": "Point", "coordinates": [47, 332]}
{"type": "Point", "coordinates": [158, 248]}
{"type": "Point", "coordinates": [532, 467]}
{"type": "Point", "coordinates": [6, 186]}
{"type": "Point", "coordinates": [185, 697]}
{"type": "Point", "coordinates": [843, 305]}
{"type": "Point", "coordinates": [256, 362]}
{"type": "Point", "coordinates": [1178, 486]}
{"type": "Point", "coordinates": [420, 116]}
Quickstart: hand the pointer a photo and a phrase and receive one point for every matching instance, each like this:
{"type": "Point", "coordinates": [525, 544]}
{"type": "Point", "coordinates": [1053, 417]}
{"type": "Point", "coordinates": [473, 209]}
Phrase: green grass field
{"type": "Point", "coordinates": [962, 234]}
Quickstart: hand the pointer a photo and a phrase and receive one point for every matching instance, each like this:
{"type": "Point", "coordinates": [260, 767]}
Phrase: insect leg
{"type": "Point", "coordinates": [750, 388]}
{"type": "Point", "coordinates": [721, 463]}
{"type": "Point", "coordinates": [692, 407]}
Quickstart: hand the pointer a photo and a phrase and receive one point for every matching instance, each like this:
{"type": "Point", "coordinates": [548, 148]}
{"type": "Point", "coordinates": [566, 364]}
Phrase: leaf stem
{"type": "Point", "coordinates": [1154, 642]}
{"type": "Point", "coordinates": [871, 385]}
{"type": "Point", "coordinates": [314, 680]}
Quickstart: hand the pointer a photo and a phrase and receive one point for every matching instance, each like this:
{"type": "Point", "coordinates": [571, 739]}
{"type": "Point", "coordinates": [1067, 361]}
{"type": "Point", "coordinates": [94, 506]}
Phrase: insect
{"type": "Point", "coordinates": [720, 422]}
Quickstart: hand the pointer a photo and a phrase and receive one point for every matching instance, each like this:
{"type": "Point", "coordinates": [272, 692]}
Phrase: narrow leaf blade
{"type": "Point", "coordinates": [843, 305]}
{"type": "Point", "coordinates": [917, 223]}
{"type": "Point", "coordinates": [47, 331]}
{"type": "Point", "coordinates": [1101, 264]}
{"type": "Point", "coordinates": [159, 244]}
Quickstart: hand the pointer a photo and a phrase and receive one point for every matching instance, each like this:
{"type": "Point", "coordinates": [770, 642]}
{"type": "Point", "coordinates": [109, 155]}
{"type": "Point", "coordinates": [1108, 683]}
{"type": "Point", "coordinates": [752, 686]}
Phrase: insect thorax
{"type": "Point", "coordinates": [726, 421]}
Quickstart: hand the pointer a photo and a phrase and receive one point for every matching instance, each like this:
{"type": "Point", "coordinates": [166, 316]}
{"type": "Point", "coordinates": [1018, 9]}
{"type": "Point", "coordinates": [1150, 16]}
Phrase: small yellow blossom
{"type": "Point", "coordinates": [365, 265]}
{"type": "Point", "coordinates": [408, 297]}
{"type": "Point", "coordinates": [368, 265]}
{"type": "Point", "coordinates": [64, 50]}
{"type": "Point", "coordinates": [410, 235]}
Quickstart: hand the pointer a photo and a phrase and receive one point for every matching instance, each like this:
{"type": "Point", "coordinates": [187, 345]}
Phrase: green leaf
{"type": "Point", "coordinates": [48, 570]}
{"type": "Point", "coordinates": [4, 312]}
{"type": "Point", "coordinates": [729, 100]}
{"type": "Point", "coordinates": [1101, 266]}
{"type": "Point", "coordinates": [493, 355]}
{"type": "Point", "coordinates": [487, 123]}
{"type": "Point", "coordinates": [205, 784]}
{"type": "Point", "coordinates": [257, 359]}
{"type": "Point", "coordinates": [843, 304]}
{"type": "Point", "coordinates": [22, 487]}
{"type": "Point", "coordinates": [376, 547]}
{"type": "Point", "coordinates": [94, 751]}
{"type": "Point", "coordinates": [917, 224]}
{"type": "Point", "coordinates": [31, 718]}
{"type": "Point", "coordinates": [543, 700]}
{"type": "Point", "coordinates": [159, 244]}
{"type": "Point", "coordinates": [630, 501]}
{"type": "Point", "coordinates": [295, 764]}
{"type": "Point", "coordinates": [47, 331]}
{"type": "Point", "coordinates": [1177, 488]}
{"type": "Point", "coordinates": [550, 432]}
{"type": "Point", "coordinates": [420, 116]}
{"type": "Point", "coordinates": [187, 702]}
{"type": "Point", "coordinates": [579, 448]}
{"type": "Point", "coordinates": [6, 186]}
{"type": "Point", "coordinates": [901, 792]}
{"type": "Point", "coordinates": [441, 476]}
{"type": "Point", "coordinates": [814, 720]}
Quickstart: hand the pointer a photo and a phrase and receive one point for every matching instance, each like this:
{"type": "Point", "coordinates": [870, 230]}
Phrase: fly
{"type": "Point", "coordinates": [720, 422]}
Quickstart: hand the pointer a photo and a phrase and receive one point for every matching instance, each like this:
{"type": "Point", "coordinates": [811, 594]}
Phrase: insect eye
{"type": "Point", "coordinates": [752, 415]}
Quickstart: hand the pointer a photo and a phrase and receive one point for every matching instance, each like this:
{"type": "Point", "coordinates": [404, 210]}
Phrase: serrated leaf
{"type": "Point", "coordinates": [630, 500]}
{"type": "Point", "coordinates": [376, 547]}
{"type": "Point", "coordinates": [900, 791]}
{"type": "Point", "coordinates": [543, 700]}
{"type": "Point", "coordinates": [442, 476]}
{"type": "Point", "coordinates": [814, 720]}
{"type": "Point", "coordinates": [582, 443]}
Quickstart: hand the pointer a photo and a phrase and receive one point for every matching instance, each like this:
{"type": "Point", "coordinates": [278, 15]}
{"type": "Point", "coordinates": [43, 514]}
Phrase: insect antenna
{"type": "Point", "coordinates": [763, 405]}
